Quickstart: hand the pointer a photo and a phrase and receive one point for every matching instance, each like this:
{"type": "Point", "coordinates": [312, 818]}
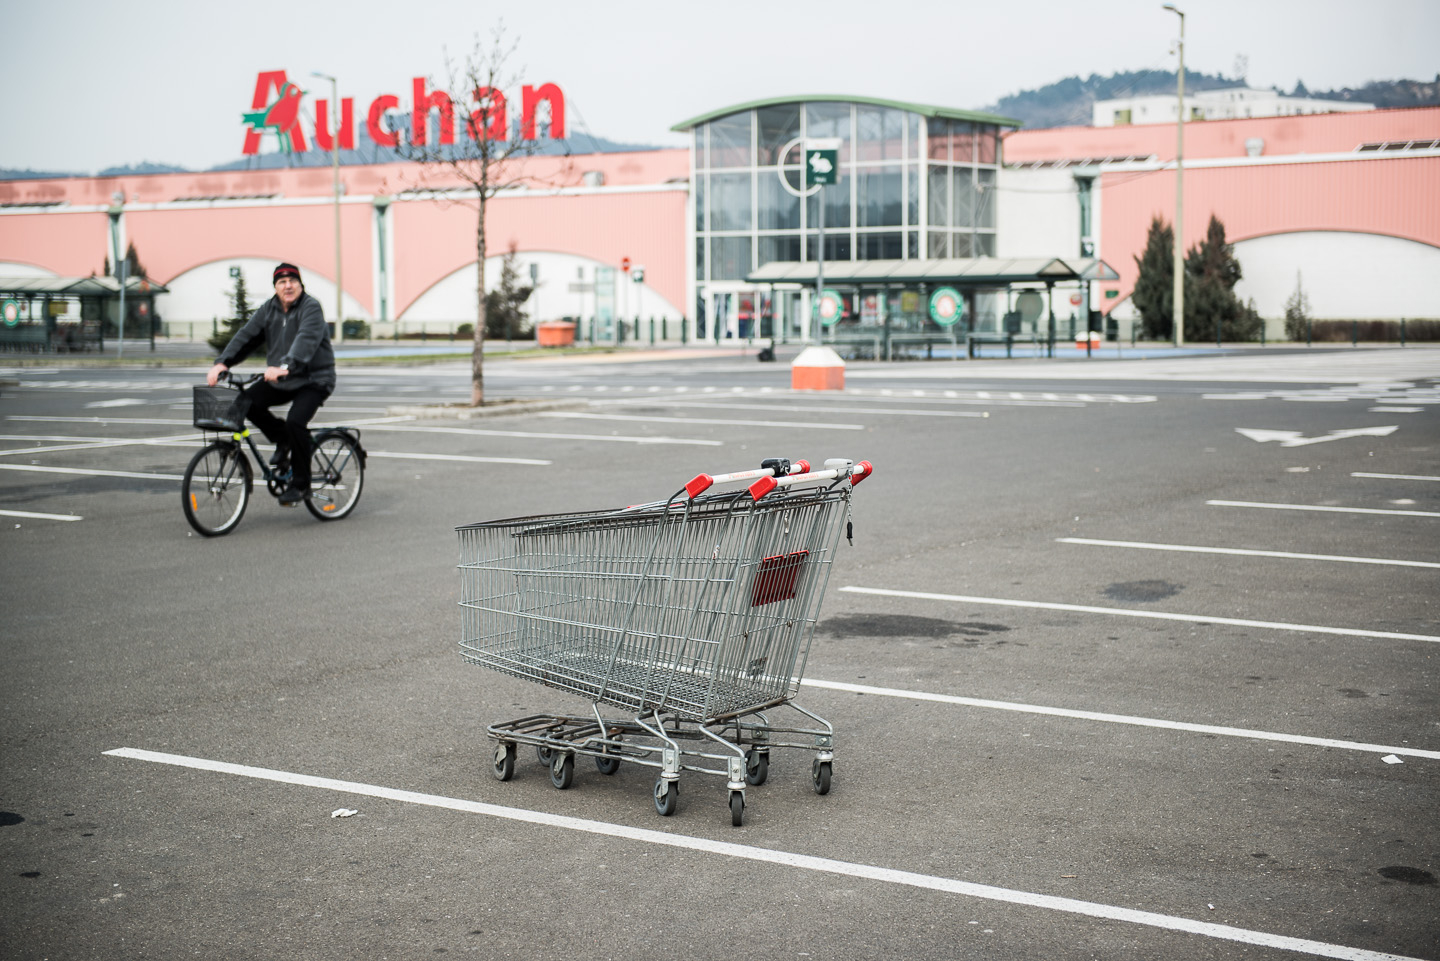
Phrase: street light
{"type": "Point", "coordinates": [1179, 268]}
{"type": "Point", "coordinates": [335, 163]}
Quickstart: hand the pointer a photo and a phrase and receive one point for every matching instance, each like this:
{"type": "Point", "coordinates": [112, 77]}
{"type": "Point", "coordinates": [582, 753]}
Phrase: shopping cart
{"type": "Point", "coordinates": [693, 614]}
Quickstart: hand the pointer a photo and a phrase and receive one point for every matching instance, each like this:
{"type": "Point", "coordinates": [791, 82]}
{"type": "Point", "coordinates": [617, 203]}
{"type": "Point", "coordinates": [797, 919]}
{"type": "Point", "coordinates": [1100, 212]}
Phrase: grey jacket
{"type": "Point", "coordinates": [299, 339]}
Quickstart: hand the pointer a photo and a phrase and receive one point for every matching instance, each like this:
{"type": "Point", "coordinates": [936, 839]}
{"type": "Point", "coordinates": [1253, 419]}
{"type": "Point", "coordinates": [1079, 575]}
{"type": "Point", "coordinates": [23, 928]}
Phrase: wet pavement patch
{"type": "Point", "coordinates": [903, 625]}
{"type": "Point", "coordinates": [1407, 875]}
{"type": "Point", "coordinates": [1141, 592]}
{"type": "Point", "coordinates": [7, 818]}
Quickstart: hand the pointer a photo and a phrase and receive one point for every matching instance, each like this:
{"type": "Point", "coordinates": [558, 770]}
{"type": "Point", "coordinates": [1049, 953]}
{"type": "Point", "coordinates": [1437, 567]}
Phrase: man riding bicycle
{"type": "Point", "coordinates": [299, 370]}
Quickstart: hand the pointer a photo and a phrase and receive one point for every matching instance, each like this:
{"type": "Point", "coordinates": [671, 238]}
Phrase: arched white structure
{"type": "Point", "coordinates": [201, 295]}
{"type": "Point", "coordinates": [1345, 276]}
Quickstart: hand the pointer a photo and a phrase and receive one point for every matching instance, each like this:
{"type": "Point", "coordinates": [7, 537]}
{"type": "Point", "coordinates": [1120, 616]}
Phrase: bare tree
{"type": "Point", "coordinates": [486, 154]}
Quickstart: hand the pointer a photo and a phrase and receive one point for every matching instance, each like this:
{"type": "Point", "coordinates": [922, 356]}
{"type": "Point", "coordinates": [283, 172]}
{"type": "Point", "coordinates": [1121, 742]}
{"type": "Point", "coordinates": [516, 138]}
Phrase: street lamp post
{"type": "Point", "coordinates": [334, 133]}
{"type": "Point", "coordinates": [1179, 268]}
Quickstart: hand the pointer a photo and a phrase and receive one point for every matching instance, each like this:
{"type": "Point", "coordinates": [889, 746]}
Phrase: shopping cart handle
{"type": "Point", "coordinates": [842, 468]}
{"type": "Point", "coordinates": [771, 467]}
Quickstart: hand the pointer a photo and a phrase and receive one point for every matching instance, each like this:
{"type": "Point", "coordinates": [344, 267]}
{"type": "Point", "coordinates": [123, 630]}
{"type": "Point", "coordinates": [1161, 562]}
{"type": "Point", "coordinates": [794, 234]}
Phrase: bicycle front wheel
{"type": "Point", "coordinates": [337, 476]}
{"type": "Point", "coordinates": [216, 488]}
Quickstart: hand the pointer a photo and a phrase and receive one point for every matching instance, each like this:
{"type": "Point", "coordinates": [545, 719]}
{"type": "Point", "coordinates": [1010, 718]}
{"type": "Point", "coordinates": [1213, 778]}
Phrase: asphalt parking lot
{"type": "Point", "coordinates": [1138, 659]}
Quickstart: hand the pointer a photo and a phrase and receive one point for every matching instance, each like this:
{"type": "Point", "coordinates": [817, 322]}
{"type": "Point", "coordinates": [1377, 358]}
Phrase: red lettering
{"type": "Point", "coordinates": [489, 119]}
{"type": "Point", "coordinates": [531, 99]}
{"type": "Point", "coordinates": [420, 115]}
{"type": "Point", "coordinates": [265, 82]}
{"type": "Point", "coordinates": [347, 124]}
{"type": "Point", "coordinates": [379, 135]}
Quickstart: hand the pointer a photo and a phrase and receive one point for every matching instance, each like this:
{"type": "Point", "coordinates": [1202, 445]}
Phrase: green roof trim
{"type": "Point", "coordinates": [924, 110]}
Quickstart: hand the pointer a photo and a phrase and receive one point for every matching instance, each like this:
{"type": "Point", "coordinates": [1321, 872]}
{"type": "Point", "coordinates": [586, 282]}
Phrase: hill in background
{"type": "Point", "coordinates": [1068, 102]}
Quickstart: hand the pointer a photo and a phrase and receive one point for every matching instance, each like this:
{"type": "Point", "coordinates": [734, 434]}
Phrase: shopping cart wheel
{"type": "Point", "coordinates": [562, 770]}
{"type": "Point", "coordinates": [608, 764]}
{"type": "Point", "coordinates": [667, 796]}
{"type": "Point", "coordinates": [820, 775]}
{"type": "Point", "coordinates": [504, 765]}
{"type": "Point", "coordinates": [757, 766]}
{"type": "Point", "coordinates": [737, 808]}
{"type": "Point", "coordinates": [545, 754]}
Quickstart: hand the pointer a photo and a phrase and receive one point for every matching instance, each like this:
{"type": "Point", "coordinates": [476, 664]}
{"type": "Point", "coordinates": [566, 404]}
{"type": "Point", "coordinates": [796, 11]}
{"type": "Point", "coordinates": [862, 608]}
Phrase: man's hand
{"type": "Point", "coordinates": [273, 374]}
{"type": "Point", "coordinates": [212, 376]}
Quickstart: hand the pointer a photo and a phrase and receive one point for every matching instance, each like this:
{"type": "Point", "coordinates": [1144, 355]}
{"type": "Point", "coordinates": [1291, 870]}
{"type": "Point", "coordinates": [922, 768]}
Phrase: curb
{"type": "Point", "coordinates": [495, 409]}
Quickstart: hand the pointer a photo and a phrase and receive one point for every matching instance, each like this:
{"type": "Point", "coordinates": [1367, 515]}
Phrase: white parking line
{"type": "Point", "coordinates": [610, 438]}
{"type": "Point", "coordinates": [807, 425]}
{"type": "Point", "coordinates": [1318, 507]}
{"type": "Point", "coordinates": [1255, 735]}
{"type": "Point", "coordinates": [1290, 555]}
{"type": "Point", "coordinates": [788, 859]}
{"type": "Point", "coordinates": [1419, 477]}
{"type": "Point", "coordinates": [91, 472]}
{"type": "Point", "coordinates": [43, 517]}
{"type": "Point", "coordinates": [1158, 615]}
{"type": "Point", "coordinates": [461, 458]}
{"type": "Point", "coordinates": [796, 408]}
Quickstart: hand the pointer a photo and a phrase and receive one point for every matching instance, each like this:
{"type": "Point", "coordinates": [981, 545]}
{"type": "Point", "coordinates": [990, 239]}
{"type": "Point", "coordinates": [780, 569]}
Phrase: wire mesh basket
{"type": "Point", "coordinates": [702, 608]}
{"type": "Point", "coordinates": [220, 408]}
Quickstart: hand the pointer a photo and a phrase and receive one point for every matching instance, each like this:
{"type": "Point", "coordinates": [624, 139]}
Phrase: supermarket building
{"type": "Point", "coordinates": [925, 197]}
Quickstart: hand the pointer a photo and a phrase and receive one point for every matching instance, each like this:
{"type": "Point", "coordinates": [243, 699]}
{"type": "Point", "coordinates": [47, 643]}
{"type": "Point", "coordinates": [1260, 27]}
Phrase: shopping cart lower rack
{"type": "Point", "coordinates": [694, 615]}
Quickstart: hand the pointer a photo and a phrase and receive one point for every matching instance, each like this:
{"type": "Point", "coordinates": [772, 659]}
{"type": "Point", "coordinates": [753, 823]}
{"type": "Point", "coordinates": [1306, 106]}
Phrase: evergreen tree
{"type": "Point", "coordinates": [1154, 293]}
{"type": "Point", "coordinates": [503, 316]}
{"type": "Point", "coordinates": [1211, 273]}
{"type": "Point", "coordinates": [240, 313]}
{"type": "Point", "coordinates": [1297, 313]}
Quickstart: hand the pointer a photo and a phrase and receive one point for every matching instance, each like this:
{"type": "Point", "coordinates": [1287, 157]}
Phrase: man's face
{"type": "Point", "coordinates": [289, 290]}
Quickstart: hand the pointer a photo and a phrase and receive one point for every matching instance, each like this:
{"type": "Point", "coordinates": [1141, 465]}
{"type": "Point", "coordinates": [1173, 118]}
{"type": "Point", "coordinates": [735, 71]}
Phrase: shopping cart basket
{"type": "Point", "coordinates": [693, 614]}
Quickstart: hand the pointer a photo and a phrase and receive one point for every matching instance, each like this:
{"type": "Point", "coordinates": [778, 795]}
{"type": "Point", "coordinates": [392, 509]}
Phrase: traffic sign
{"type": "Point", "coordinates": [821, 166]}
{"type": "Point", "coordinates": [637, 274]}
{"type": "Point", "coordinates": [625, 264]}
{"type": "Point", "coordinates": [946, 306]}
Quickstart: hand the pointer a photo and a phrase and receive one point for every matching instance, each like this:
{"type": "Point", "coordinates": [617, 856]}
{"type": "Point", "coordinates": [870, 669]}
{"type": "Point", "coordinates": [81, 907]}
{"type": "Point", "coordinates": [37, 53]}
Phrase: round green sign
{"type": "Point", "coordinates": [946, 306]}
{"type": "Point", "coordinates": [830, 307]}
{"type": "Point", "coordinates": [11, 311]}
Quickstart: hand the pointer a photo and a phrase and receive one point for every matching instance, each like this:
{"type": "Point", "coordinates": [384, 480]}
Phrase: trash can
{"type": "Point", "coordinates": [555, 333]}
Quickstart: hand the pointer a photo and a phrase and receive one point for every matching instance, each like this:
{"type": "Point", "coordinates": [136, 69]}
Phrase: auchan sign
{"type": "Point", "coordinates": [276, 109]}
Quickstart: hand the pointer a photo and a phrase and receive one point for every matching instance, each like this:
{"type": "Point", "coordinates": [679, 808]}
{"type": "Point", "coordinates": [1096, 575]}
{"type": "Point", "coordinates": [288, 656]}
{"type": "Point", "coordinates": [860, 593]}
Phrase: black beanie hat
{"type": "Point", "coordinates": [286, 270]}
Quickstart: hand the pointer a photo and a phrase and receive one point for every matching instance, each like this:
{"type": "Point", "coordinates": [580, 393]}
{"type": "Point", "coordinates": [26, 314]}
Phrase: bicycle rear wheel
{"type": "Point", "coordinates": [337, 476]}
{"type": "Point", "coordinates": [216, 488]}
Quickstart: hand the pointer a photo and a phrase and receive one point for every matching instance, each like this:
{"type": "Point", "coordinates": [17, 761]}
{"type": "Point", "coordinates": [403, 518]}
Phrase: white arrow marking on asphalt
{"type": "Point", "coordinates": [1294, 438]}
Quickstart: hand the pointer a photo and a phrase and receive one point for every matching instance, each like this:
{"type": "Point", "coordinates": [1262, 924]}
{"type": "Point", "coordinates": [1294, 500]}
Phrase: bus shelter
{"type": "Point", "coordinates": [63, 314]}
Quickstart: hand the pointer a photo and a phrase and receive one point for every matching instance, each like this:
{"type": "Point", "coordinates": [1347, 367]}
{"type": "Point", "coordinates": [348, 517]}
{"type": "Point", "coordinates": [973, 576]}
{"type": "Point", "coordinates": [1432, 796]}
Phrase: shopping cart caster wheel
{"type": "Point", "coordinates": [562, 770]}
{"type": "Point", "coordinates": [607, 765]}
{"type": "Point", "coordinates": [503, 766]}
{"type": "Point", "coordinates": [737, 808]}
{"type": "Point", "coordinates": [820, 776]}
{"type": "Point", "coordinates": [667, 797]}
{"type": "Point", "coordinates": [545, 754]}
{"type": "Point", "coordinates": [757, 766]}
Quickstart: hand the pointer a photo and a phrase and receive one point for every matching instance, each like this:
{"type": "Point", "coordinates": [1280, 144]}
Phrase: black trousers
{"type": "Point", "coordinates": [294, 430]}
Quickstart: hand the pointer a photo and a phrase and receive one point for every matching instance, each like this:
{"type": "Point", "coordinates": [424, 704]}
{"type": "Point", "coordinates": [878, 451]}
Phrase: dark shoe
{"type": "Point", "coordinates": [292, 496]}
{"type": "Point", "coordinates": [281, 456]}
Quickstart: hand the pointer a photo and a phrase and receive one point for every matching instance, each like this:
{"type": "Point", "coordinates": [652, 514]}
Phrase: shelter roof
{"type": "Point", "coordinates": [78, 286]}
{"type": "Point", "coordinates": [970, 271]}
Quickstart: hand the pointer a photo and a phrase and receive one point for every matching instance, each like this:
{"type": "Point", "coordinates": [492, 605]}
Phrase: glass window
{"type": "Point", "coordinates": [912, 244]}
{"type": "Point", "coordinates": [881, 132]}
{"type": "Point", "coordinates": [938, 245]}
{"type": "Point", "coordinates": [964, 205]}
{"type": "Point", "coordinates": [837, 204]}
{"type": "Point", "coordinates": [878, 201]}
{"type": "Point", "coordinates": [883, 246]}
{"type": "Point", "coordinates": [962, 141]}
{"type": "Point", "coordinates": [827, 119]}
{"type": "Point", "coordinates": [777, 126]}
{"type": "Point", "coordinates": [700, 132]}
{"type": "Point", "coordinates": [937, 131]}
{"type": "Point", "coordinates": [837, 246]}
{"type": "Point", "coordinates": [699, 258]}
{"type": "Point", "coordinates": [779, 248]}
{"type": "Point", "coordinates": [912, 189]}
{"type": "Point", "coordinates": [963, 246]}
{"type": "Point", "coordinates": [729, 201]}
{"type": "Point", "coordinates": [939, 205]}
{"type": "Point", "coordinates": [912, 136]}
{"type": "Point", "coordinates": [986, 143]}
{"type": "Point", "coordinates": [730, 141]}
{"type": "Point", "coordinates": [729, 258]}
{"type": "Point", "coordinates": [985, 199]}
{"type": "Point", "coordinates": [984, 245]}
{"type": "Point", "coordinates": [779, 209]}
{"type": "Point", "coordinates": [699, 201]}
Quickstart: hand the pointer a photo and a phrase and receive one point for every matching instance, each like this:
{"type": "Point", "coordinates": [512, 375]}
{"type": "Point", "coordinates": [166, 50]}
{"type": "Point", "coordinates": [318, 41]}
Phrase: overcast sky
{"type": "Point", "coordinates": [91, 84]}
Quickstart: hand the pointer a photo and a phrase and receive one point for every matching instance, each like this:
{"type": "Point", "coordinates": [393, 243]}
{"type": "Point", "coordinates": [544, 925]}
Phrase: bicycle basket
{"type": "Point", "coordinates": [220, 408]}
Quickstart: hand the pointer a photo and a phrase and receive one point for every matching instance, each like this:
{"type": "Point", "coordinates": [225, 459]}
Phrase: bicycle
{"type": "Point", "coordinates": [219, 479]}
